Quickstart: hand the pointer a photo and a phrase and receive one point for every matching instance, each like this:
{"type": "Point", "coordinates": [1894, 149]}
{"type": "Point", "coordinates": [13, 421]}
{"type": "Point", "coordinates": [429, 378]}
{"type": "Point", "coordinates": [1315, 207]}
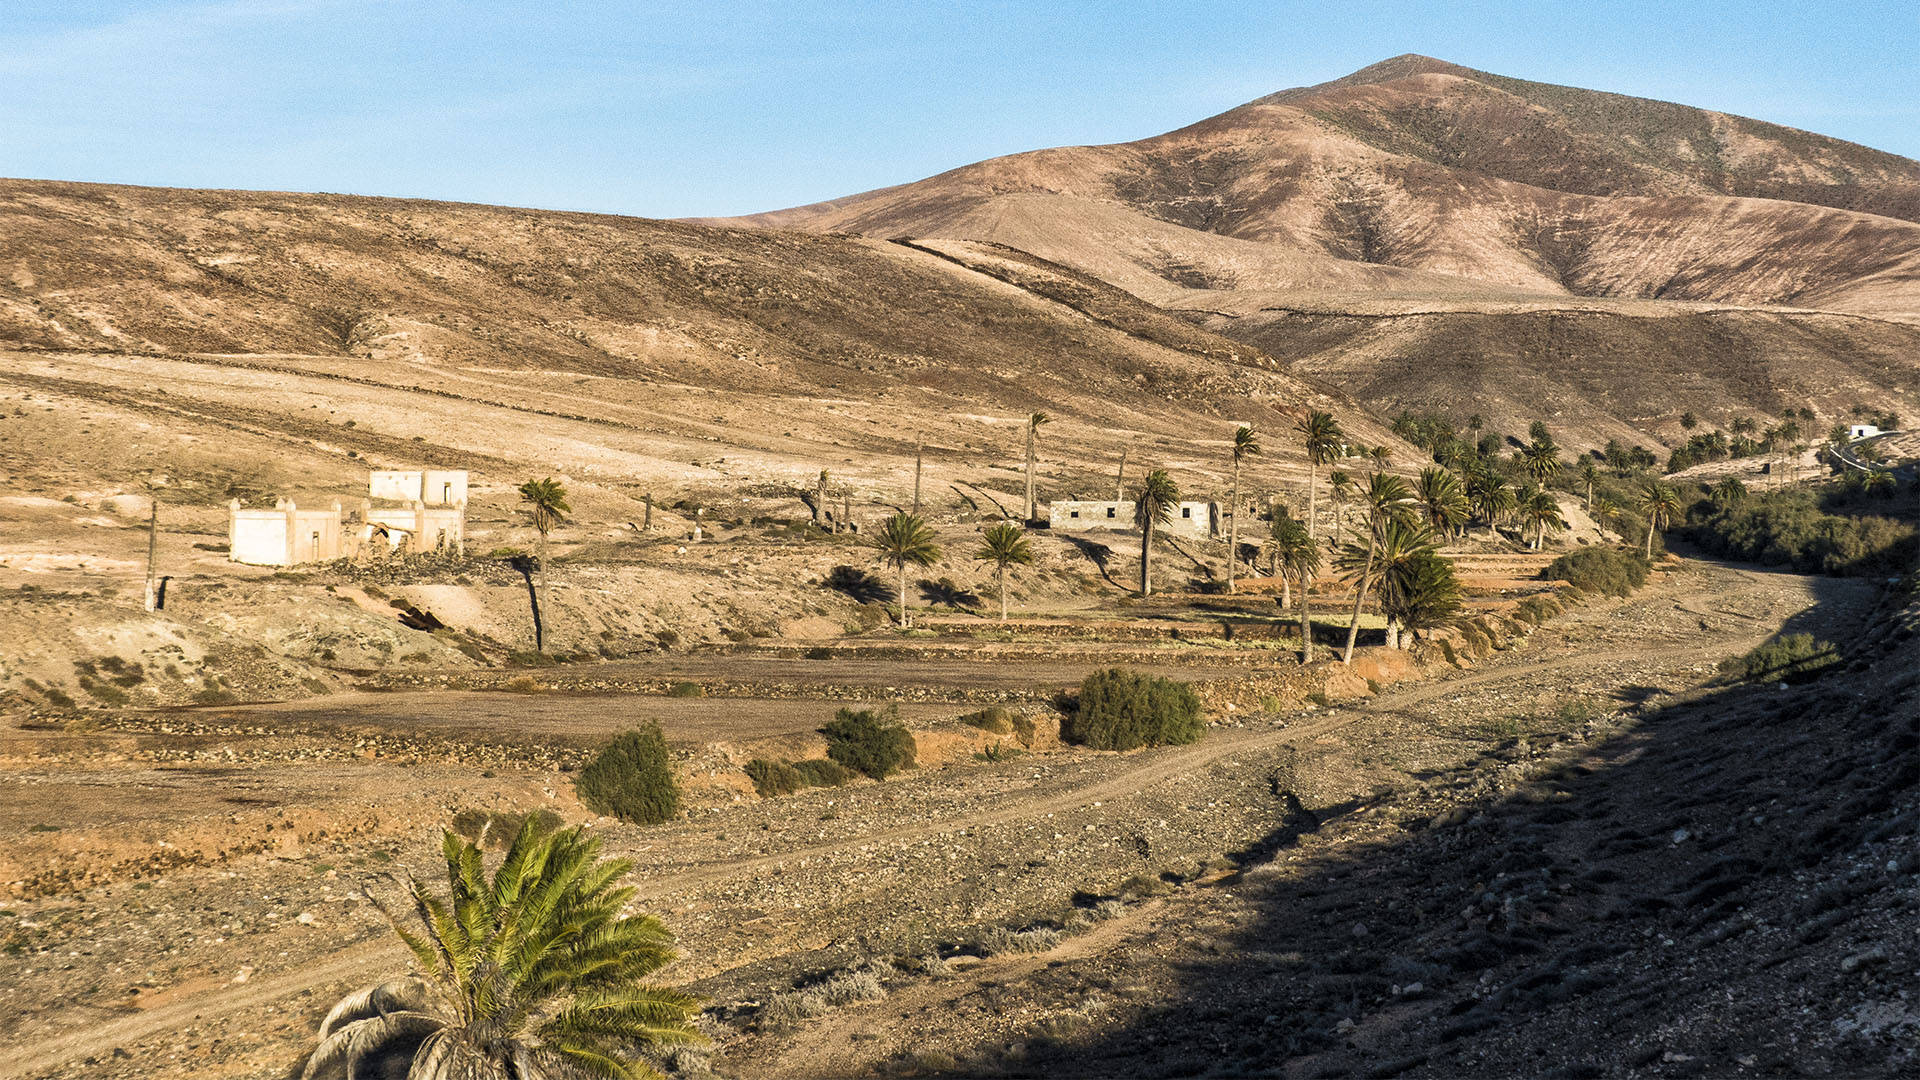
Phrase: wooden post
{"type": "Point", "coordinates": [919, 452]}
{"type": "Point", "coordinates": [153, 544]}
{"type": "Point", "coordinates": [1120, 478]}
{"type": "Point", "coordinates": [646, 522]}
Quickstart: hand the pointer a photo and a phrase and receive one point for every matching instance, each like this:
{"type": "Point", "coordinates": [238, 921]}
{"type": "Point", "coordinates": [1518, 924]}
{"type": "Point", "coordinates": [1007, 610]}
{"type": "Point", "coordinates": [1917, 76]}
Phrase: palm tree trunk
{"type": "Point", "coordinates": [1146, 556]}
{"type": "Point", "coordinates": [1030, 507]}
{"type": "Point", "coordinates": [1650, 520]}
{"type": "Point", "coordinates": [539, 592]}
{"type": "Point", "coordinates": [1003, 592]}
{"type": "Point", "coordinates": [1306, 622]}
{"type": "Point", "coordinates": [903, 596]}
{"type": "Point", "coordinates": [1359, 598]}
{"type": "Point", "coordinates": [1233, 527]}
{"type": "Point", "coordinates": [1286, 592]}
{"type": "Point", "coordinates": [1312, 483]}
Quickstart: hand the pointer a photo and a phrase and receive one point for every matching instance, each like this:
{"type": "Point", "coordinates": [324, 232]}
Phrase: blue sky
{"type": "Point", "coordinates": [666, 109]}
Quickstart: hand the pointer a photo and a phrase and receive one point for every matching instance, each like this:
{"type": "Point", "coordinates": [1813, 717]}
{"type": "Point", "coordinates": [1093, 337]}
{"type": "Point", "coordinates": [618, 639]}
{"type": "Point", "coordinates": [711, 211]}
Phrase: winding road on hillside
{"type": "Point", "coordinates": [1707, 611]}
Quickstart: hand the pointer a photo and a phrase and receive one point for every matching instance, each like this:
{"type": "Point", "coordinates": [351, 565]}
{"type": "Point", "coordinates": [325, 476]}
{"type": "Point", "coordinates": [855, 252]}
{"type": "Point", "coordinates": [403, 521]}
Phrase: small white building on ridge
{"type": "Point", "coordinates": [1087, 515]}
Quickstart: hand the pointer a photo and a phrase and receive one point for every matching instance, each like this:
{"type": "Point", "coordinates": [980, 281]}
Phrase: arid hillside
{"type": "Point", "coordinates": [1435, 194]}
{"type": "Point", "coordinates": [315, 335]}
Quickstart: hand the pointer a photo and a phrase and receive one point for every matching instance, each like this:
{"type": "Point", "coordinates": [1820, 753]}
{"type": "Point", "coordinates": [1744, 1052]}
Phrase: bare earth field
{"type": "Point", "coordinates": [221, 968]}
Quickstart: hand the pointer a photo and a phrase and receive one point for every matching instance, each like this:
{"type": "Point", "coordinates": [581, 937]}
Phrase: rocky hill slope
{"type": "Point", "coordinates": [1420, 188]}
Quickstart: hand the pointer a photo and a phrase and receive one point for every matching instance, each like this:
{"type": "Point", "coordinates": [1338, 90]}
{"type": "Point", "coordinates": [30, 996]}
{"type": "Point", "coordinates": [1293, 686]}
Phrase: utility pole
{"type": "Point", "coordinates": [646, 523]}
{"type": "Point", "coordinates": [1120, 478]}
{"type": "Point", "coordinates": [919, 452]}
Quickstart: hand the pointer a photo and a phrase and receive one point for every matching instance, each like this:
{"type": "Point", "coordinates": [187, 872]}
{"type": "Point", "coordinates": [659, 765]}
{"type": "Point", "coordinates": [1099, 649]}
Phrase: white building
{"type": "Point", "coordinates": [1856, 432]}
{"type": "Point", "coordinates": [434, 517]}
{"type": "Point", "coordinates": [1084, 515]}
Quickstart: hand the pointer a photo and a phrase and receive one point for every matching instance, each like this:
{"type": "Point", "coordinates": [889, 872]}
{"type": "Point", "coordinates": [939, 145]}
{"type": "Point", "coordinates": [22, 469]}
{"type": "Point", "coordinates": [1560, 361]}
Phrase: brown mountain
{"type": "Point", "coordinates": [1624, 255]}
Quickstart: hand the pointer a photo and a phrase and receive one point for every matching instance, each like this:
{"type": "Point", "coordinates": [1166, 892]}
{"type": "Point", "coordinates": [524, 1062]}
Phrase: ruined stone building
{"type": "Point", "coordinates": [433, 517]}
{"type": "Point", "coordinates": [1084, 515]}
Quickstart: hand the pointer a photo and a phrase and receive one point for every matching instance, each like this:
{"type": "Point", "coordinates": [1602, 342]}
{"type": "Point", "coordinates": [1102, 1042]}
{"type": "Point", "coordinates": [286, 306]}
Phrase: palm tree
{"type": "Point", "coordinates": [1728, 493]}
{"type": "Point", "coordinates": [1322, 436]}
{"type": "Point", "coordinates": [1153, 506]}
{"type": "Point", "coordinates": [903, 541]}
{"type": "Point", "coordinates": [1421, 593]}
{"type": "Point", "coordinates": [1397, 539]}
{"type": "Point", "coordinates": [533, 973]}
{"type": "Point", "coordinates": [1341, 486]}
{"type": "Point", "coordinates": [1605, 510]}
{"type": "Point", "coordinates": [1539, 514]}
{"type": "Point", "coordinates": [1033, 430]}
{"type": "Point", "coordinates": [1245, 444]}
{"type": "Point", "coordinates": [1443, 500]}
{"type": "Point", "coordinates": [545, 504]}
{"type": "Point", "coordinates": [1004, 545]}
{"type": "Point", "coordinates": [1491, 496]}
{"type": "Point", "coordinates": [1382, 456]}
{"type": "Point", "coordinates": [1661, 504]}
{"type": "Point", "coordinates": [1878, 483]}
{"type": "Point", "coordinates": [1589, 476]}
{"type": "Point", "coordinates": [1540, 460]}
{"type": "Point", "coordinates": [1385, 500]}
{"type": "Point", "coordinates": [1298, 555]}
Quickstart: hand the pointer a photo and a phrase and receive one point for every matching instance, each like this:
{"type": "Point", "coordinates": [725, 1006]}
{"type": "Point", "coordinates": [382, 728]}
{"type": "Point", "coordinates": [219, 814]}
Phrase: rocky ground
{"type": "Point", "coordinates": [1227, 905]}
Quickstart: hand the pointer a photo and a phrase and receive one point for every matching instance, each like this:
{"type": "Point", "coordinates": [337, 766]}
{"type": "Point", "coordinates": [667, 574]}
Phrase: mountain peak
{"type": "Point", "coordinates": [1403, 66]}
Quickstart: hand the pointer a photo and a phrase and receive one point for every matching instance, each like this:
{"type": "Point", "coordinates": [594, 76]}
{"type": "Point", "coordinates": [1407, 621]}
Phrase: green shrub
{"type": "Point", "coordinates": [1025, 729]}
{"type": "Point", "coordinates": [1536, 610]}
{"type": "Point", "coordinates": [1122, 710]}
{"type": "Point", "coordinates": [867, 742]}
{"type": "Point", "coordinates": [996, 720]}
{"type": "Point", "coordinates": [528, 658]}
{"type": "Point", "coordinates": [1789, 658]}
{"type": "Point", "coordinates": [686, 689]}
{"type": "Point", "coordinates": [1788, 528]}
{"type": "Point", "coordinates": [820, 772]}
{"type": "Point", "coordinates": [631, 778]}
{"type": "Point", "coordinates": [772, 777]}
{"type": "Point", "coordinates": [1608, 570]}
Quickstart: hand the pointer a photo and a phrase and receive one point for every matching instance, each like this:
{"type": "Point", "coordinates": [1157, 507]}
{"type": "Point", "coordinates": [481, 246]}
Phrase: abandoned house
{"type": "Point", "coordinates": [1079, 515]}
{"type": "Point", "coordinates": [433, 517]}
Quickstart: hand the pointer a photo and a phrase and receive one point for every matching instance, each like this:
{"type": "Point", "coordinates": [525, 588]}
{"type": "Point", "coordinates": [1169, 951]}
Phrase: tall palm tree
{"type": "Point", "coordinates": [1153, 506]}
{"type": "Point", "coordinates": [1322, 436]}
{"type": "Point", "coordinates": [545, 504]}
{"type": "Point", "coordinates": [1442, 499]}
{"type": "Point", "coordinates": [1539, 514]}
{"type": "Point", "coordinates": [1589, 476]}
{"type": "Point", "coordinates": [1340, 485]}
{"type": "Point", "coordinates": [1661, 504]}
{"type": "Point", "coordinates": [1385, 500]}
{"type": "Point", "coordinates": [534, 973]}
{"type": "Point", "coordinates": [1004, 545]}
{"type": "Point", "coordinates": [1245, 444]}
{"type": "Point", "coordinates": [1396, 539]}
{"type": "Point", "coordinates": [1298, 555]}
{"type": "Point", "coordinates": [1491, 496]}
{"type": "Point", "coordinates": [1033, 431]}
{"type": "Point", "coordinates": [904, 540]}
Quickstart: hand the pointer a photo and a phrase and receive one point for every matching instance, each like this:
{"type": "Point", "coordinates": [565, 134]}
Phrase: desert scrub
{"type": "Point", "coordinates": [1791, 658]}
{"type": "Point", "coordinates": [996, 720]}
{"type": "Point", "coordinates": [686, 689]}
{"type": "Point", "coordinates": [1608, 570]}
{"type": "Point", "coordinates": [865, 741]}
{"type": "Point", "coordinates": [772, 777]}
{"type": "Point", "coordinates": [1536, 610]}
{"type": "Point", "coordinates": [1001, 941]}
{"type": "Point", "coordinates": [845, 988]}
{"type": "Point", "coordinates": [631, 778]}
{"type": "Point", "coordinates": [1122, 710]}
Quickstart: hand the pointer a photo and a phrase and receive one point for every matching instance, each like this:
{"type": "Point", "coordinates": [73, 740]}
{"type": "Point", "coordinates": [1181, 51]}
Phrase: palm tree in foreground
{"type": "Point", "coordinates": [1033, 433]}
{"type": "Point", "coordinates": [1004, 545]}
{"type": "Point", "coordinates": [1398, 541]}
{"type": "Point", "coordinates": [546, 509]}
{"type": "Point", "coordinates": [903, 541]}
{"type": "Point", "coordinates": [1298, 555]}
{"type": "Point", "coordinates": [534, 973]}
{"type": "Point", "coordinates": [1661, 504]}
{"type": "Point", "coordinates": [1245, 444]}
{"type": "Point", "coordinates": [1153, 506]}
{"type": "Point", "coordinates": [1320, 433]}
